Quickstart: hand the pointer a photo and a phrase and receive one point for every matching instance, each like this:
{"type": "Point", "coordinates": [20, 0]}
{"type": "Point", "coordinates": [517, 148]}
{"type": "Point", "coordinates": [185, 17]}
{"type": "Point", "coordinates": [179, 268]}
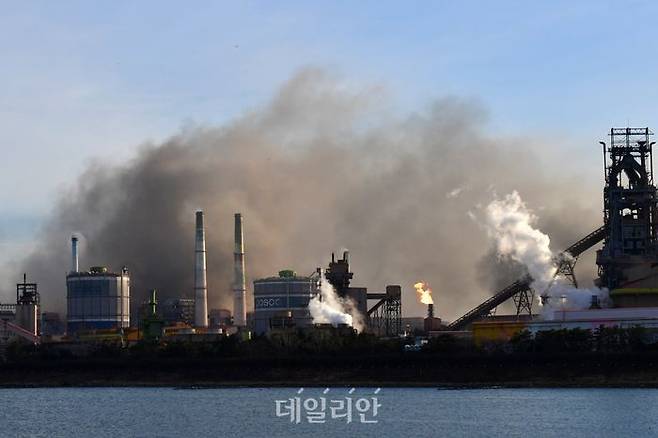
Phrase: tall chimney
{"type": "Point", "coordinates": [239, 283]}
{"type": "Point", "coordinates": [200, 282]}
{"type": "Point", "coordinates": [74, 254]}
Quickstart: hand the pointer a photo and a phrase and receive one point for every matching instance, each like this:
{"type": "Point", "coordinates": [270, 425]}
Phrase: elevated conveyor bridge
{"type": "Point", "coordinates": [522, 286]}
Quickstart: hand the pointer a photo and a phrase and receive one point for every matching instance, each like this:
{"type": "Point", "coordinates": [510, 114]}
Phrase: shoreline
{"type": "Point", "coordinates": [393, 370]}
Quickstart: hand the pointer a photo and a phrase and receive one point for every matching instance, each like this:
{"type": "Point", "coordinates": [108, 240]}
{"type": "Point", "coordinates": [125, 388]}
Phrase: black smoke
{"type": "Point", "coordinates": [320, 167]}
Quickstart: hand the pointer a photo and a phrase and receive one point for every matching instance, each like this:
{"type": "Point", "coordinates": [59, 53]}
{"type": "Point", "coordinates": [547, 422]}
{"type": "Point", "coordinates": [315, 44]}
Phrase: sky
{"type": "Point", "coordinates": [93, 81]}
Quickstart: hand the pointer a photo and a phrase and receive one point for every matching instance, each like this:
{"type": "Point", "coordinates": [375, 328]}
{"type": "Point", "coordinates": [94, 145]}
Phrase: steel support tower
{"type": "Point", "coordinates": [629, 208]}
{"type": "Point", "coordinates": [26, 293]}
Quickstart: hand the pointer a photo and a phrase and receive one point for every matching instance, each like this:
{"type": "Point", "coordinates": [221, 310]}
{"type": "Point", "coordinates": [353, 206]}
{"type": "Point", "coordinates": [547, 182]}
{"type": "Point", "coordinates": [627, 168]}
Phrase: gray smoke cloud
{"type": "Point", "coordinates": [321, 166]}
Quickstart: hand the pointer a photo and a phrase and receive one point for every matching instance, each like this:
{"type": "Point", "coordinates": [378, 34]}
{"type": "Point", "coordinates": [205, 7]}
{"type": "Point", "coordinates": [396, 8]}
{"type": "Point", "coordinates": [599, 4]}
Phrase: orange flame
{"type": "Point", "coordinates": [425, 293]}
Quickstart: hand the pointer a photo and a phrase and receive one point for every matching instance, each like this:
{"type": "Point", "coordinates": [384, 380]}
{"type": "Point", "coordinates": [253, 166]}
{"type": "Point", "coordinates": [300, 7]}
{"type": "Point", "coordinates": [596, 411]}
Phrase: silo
{"type": "Point", "coordinates": [283, 301]}
{"type": "Point", "coordinates": [97, 299]}
{"type": "Point", "coordinates": [27, 306]}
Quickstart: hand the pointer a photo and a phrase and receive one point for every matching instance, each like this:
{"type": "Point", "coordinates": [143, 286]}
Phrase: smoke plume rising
{"type": "Point", "coordinates": [328, 308]}
{"type": "Point", "coordinates": [322, 165]}
{"type": "Point", "coordinates": [509, 223]}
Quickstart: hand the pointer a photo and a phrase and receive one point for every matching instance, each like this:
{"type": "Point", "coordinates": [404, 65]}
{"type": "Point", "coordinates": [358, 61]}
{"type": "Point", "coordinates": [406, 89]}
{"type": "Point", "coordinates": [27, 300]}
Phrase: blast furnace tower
{"type": "Point", "coordinates": [628, 261]}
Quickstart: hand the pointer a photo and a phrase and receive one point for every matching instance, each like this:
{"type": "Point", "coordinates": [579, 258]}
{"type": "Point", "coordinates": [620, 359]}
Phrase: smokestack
{"type": "Point", "coordinates": [239, 283]}
{"type": "Point", "coordinates": [200, 282]}
{"type": "Point", "coordinates": [430, 311]}
{"type": "Point", "coordinates": [74, 254]}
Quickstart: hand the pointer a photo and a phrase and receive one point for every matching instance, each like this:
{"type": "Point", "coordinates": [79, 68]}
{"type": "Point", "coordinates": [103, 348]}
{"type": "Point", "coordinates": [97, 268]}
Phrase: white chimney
{"type": "Point", "coordinates": [200, 282]}
{"type": "Point", "coordinates": [239, 283]}
{"type": "Point", "coordinates": [74, 254]}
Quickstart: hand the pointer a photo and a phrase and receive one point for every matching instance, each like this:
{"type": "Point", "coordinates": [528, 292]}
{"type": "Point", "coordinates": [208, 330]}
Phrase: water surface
{"type": "Point", "coordinates": [250, 412]}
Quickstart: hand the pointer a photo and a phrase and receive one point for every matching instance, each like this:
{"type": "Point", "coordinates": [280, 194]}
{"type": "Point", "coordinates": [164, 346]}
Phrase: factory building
{"type": "Point", "coordinates": [28, 308]}
{"type": "Point", "coordinates": [219, 318]}
{"type": "Point", "coordinates": [52, 324]}
{"type": "Point", "coordinates": [21, 320]}
{"type": "Point", "coordinates": [504, 329]}
{"type": "Point", "coordinates": [339, 275]}
{"type": "Point", "coordinates": [176, 310]}
{"type": "Point", "coordinates": [283, 301]}
{"type": "Point", "coordinates": [384, 318]}
{"type": "Point", "coordinates": [97, 299]}
{"type": "Point", "coordinates": [627, 262]}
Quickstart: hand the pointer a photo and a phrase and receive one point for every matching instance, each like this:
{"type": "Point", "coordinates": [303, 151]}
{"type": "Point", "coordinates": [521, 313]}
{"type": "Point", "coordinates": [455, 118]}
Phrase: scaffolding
{"type": "Point", "coordinates": [26, 293]}
{"type": "Point", "coordinates": [385, 317]}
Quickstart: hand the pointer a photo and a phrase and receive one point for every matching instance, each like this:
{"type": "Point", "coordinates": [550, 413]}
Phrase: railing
{"type": "Point", "coordinates": [7, 308]}
{"type": "Point", "coordinates": [587, 242]}
{"type": "Point", "coordinates": [496, 300]}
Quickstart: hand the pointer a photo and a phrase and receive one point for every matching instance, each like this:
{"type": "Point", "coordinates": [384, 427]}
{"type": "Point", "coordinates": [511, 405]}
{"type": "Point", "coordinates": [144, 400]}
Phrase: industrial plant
{"type": "Point", "coordinates": [626, 262]}
{"type": "Point", "coordinates": [98, 300]}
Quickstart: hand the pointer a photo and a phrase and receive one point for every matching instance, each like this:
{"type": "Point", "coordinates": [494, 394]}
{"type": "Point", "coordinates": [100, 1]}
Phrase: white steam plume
{"type": "Point", "coordinates": [328, 308]}
{"type": "Point", "coordinates": [509, 223]}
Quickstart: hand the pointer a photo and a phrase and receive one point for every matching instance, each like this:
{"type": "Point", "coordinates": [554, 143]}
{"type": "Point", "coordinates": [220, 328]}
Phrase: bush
{"type": "Point", "coordinates": [616, 339]}
{"type": "Point", "coordinates": [603, 340]}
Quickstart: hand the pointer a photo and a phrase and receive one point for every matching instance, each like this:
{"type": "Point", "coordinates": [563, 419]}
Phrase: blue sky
{"type": "Point", "coordinates": [92, 80]}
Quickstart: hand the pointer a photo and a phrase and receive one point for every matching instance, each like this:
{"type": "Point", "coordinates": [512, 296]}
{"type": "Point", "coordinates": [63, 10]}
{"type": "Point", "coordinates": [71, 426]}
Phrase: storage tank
{"type": "Point", "coordinates": [97, 299]}
{"type": "Point", "coordinates": [283, 301]}
{"type": "Point", "coordinates": [27, 317]}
